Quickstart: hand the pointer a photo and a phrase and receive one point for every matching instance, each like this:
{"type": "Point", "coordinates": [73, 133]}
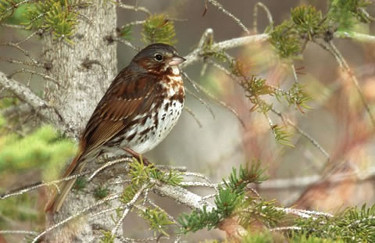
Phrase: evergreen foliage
{"type": "Point", "coordinates": [351, 225]}
{"type": "Point", "coordinates": [42, 149]}
{"type": "Point", "coordinates": [229, 201]}
{"type": "Point", "coordinates": [148, 175]}
{"type": "Point", "coordinates": [158, 29]}
{"type": "Point", "coordinates": [233, 200]}
{"type": "Point", "coordinates": [39, 149]}
{"type": "Point", "coordinates": [58, 17]}
{"type": "Point", "coordinates": [157, 220]}
{"type": "Point", "coordinates": [309, 24]}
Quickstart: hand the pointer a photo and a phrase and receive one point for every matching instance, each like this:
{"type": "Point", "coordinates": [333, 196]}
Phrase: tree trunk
{"type": "Point", "coordinates": [83, 70]}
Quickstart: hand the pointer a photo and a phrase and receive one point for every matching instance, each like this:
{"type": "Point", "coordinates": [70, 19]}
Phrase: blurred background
{"type": "Point", "coordinates": [299, 175]}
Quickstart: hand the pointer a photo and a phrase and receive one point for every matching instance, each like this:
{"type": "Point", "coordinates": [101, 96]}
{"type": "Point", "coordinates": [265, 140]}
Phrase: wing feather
{"type": "Point", "coordinates": [124, 100]}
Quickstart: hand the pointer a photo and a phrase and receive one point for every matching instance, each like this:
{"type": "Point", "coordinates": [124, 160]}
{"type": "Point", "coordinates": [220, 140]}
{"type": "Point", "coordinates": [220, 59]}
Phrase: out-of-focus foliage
{"type": "Point", "coordinates": [309, 24]}
{"type": "Point", "coordinates": [158, 29]}
{"type": "Point", "coordinates": [36, 150]}
{"type": "Point", "coordinates": [346, 13]}
{"type": "Point", "coordinates": [42, 150]}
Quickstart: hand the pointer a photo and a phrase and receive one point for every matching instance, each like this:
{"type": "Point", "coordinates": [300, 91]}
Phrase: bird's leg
{"type": "Point", "coordinates": [138, 156]}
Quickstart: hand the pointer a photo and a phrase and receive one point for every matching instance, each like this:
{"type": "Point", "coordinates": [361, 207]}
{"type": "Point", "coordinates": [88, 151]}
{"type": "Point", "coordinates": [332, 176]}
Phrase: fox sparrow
{"type": "Point", "coordinates": [139, 109]}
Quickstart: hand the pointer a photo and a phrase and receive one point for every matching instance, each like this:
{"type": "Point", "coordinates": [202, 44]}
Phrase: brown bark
{"type": "Point", "coordinates": [83, 71]}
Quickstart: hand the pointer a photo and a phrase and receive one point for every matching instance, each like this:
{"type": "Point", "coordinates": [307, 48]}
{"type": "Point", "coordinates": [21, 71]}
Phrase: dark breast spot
{"type": "Point", "coordinates": [166, 106]}
{"type": "Point", "coordinates": [131, 136]}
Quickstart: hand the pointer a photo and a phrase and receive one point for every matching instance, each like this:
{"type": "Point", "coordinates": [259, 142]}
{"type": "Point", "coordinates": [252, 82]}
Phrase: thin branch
{"type": "Point", "coordinates": [128, 206]}
{"type": "Point", "coordinates": [191, 113]}
{"type": "Point", "coordinates": [14, 61]}
{"type": "Point", "coordinates": [303, 213]}
{"type": "Point", "coordinates": [134, 8]}
{"type": "Point", "coordinates": [39, 105]}
{"type": "Point", "coordinates": [294, 72]}
{"type": "Point", "coordinates": [25, 52]}
{"type": "Point", "coordinates": [197, 175]}
{"type": "Point", "coordinates": [226, 12]}
{"type": "Point", "coordinates": [183, 196]}
{"type": "Point", "coordinates": [207, 38]}
{"type": "Point", "coordinates": [127, 43]}
{"type": "Point", "coordinates": [331, 48]}
{"type": "Point", "coordinates": [201, 100]}
{"type": "Point", "coordinates": [286, 228]}
{"type": "Point", "coordinates": [108, 164]}
{"type": "Point", "coordinates": [133, 23]}
{"type": "Point", "coordinates": [355, 36]}
{"type": "Point", "coordinates": [37, 185]}
{"type": "Point", "coordinates": [255, 16]}
{"type": "Point", "coordinates": [70, 218]}
{"type": "Point", "coordinates": [28, 37]}
{"type": "Point", "coordinates": [170, 217]}
{"type": "Point", "coordinates": [14, 26]}
{"type": "Point", "coordinates": [198, 184]}
{"type": "Point", "coordinates": [18, 232]}
{"type": "Point", "coordinates": [198, 53]}
{"type": "Point", "coordinates": [47, 77]}
{"type": "Point", "coordinates": [302, 132]}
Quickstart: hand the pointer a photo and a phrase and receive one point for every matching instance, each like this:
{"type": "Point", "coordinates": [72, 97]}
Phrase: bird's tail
{"type": "Point", "coordinates": [58, 198]}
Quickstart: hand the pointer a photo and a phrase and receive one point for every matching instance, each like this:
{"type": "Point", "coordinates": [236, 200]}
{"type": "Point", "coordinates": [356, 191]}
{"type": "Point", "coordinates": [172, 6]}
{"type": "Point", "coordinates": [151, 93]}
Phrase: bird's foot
{"type": "Point", "coordinates": [138, 156]}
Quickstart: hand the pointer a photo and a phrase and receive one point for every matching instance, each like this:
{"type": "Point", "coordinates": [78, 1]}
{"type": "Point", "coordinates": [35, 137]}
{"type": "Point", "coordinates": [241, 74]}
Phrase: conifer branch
{"type": "Point", "coordinates": [39, 105]}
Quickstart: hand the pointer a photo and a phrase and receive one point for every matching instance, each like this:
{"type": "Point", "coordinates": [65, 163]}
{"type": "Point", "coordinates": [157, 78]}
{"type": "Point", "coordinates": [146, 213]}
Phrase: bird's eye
{"type": "Point", "coordinates": [158, 57]}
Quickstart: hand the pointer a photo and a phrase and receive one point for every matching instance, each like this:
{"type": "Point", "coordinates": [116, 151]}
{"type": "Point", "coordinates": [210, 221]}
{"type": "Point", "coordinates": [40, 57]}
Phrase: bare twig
{"type": "Point", "coordinates": [303, 213]}
{"type": "Point", "coordinates": [128, 206]}
{"type": "Point", "coordinates": [127, 43]}
{"type": "Point", "coordinates": [70, 218]}
{"type": "Point", "coordinates": [302, 132]}
{"type": "Point", "coordinates": [198, 53]}
{"type": "Point", "coordinates": [201, 100]}
{"type": "Point", "coordinates": [24, 70]}
{"type": "Point", "coordinates": [25, 52]}
{"type": "Point", "coordinates": [182, 196]}
{"type": "Point", "coordinates": [226, 12]}
{"type": "Point", "coordinates": [14, 61]}
{"type": "Point", "coordinates": [255, 16]}
{"type": "Point", "coordinates": [134, 8]}
{"type": "Point", "coordinates": [331, 48]}
{"type": "Point", "coordinates": [35, 186]}
{"type": "Point", "coordinates": [191, 113]}
{"type": "Point", "coordinates": [108, 164]}
{"type": "Point", "coordinates": [198, 184]}
{"type": "Point", "coordinates": [18, 232]}
{"type": "Point", "coordinates": [294, 72]}
{"type": "Point", "coordinates": [28, 37]}
{"type": "Point", "coordinates": [14, 26]}
{"type": "Point", "coordinates": [170, 217]}
{"type": "Point", "coordinates": [286, 228]}
{"type": "Point", "coordinates": [355, 36]}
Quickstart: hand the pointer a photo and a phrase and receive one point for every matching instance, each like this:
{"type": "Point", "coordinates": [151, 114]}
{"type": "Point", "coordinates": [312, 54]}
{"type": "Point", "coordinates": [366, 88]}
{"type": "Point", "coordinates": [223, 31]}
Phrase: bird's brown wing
{"type": "Point", "coordinates": [127, 97]}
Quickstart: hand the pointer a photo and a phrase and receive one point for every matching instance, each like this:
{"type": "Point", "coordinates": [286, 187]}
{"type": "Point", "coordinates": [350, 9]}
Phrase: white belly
{"type": "Point", "coordinates": [167, 118]}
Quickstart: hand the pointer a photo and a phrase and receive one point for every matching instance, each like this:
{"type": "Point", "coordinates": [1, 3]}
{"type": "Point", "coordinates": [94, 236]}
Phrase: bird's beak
{"type": "Point", "coordinates": [176, 60]}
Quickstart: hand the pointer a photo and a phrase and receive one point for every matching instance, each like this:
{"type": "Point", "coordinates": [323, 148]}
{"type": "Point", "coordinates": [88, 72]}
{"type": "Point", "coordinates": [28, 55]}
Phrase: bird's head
{"type": "Point", "coordinates": [157, 58]}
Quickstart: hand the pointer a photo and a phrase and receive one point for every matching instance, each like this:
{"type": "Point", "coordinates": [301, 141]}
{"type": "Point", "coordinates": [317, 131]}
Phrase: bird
{"type": "Point", "coordinates": [139, 109]}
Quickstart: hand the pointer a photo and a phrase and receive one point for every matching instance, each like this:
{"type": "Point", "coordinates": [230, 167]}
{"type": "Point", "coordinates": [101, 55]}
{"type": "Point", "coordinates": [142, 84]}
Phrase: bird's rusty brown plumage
{"type": "Point", "coordinates": [137, 111]}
